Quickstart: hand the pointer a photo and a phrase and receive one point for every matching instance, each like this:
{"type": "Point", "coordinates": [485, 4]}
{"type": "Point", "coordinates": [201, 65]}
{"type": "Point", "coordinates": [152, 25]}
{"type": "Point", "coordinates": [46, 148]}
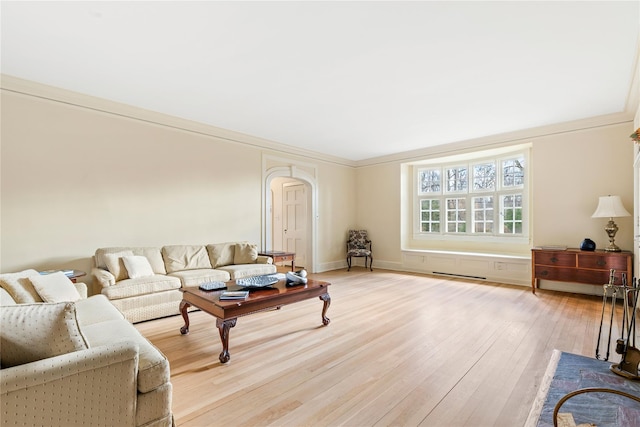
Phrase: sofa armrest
{"type": "Point", "coordinates": [264, 260]}
{"type": "Point", "coordinates": [71, 389]}
{"type": "Point", "coordinates": [82, 289]}
{"type": "Point", "coordinates": [105, 278]}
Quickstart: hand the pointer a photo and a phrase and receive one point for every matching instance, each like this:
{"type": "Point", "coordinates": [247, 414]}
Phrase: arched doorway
{"type": "Point", "coordinates": [287, 190]}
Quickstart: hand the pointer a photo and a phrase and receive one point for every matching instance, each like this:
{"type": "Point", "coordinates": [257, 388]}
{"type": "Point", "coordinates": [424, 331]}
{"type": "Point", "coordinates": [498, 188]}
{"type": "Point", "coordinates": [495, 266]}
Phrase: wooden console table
{"type": "Point", "coordinates": [574, 265]}
{"type": "Point", "coordinates": [281, 256]}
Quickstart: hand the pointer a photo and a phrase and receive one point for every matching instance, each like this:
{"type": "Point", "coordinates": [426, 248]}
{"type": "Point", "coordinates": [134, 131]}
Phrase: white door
{"type": "Point", "coordinates": [294, 221]}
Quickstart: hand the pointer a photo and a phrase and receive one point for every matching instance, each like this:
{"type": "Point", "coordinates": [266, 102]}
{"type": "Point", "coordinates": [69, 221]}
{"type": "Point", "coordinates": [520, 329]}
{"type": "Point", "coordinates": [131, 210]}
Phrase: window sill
{"type": "Point", "coordinates": [463, 253]}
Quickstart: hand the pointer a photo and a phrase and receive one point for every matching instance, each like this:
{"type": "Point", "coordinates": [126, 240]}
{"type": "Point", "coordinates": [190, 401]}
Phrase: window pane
{"type": "Point", "coordinates": [486, 185]}
{"type": "Point", "coordinates": [429, 180]}
{"type": "Point", "coordinates": [430, 215]}
{"type": "Point", "coordinates": [512, 214]}
{"type": "Point", "coordinates": [513, 172]}
{"type": "Point", "coordinates": [484, 176]}
{"type": "Point", "coordinates": [456, 179]}
{"type": "Point", "coordinates": [483, 214]}
{"type": "Point", "coordinates": [456, 215]}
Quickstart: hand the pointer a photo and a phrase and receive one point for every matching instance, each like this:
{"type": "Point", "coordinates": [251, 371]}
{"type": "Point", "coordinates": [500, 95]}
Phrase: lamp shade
{"type": "Point", "coordinates": [610, 207]}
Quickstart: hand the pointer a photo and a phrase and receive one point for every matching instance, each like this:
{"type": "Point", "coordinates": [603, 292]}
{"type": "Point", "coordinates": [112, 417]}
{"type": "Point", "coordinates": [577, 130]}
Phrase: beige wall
{"type": "Point", "coordinates": [592, 163]}
{"type": "Point", "coordinates": [378, 192]}
{"type": "Point", "coordinates": [74, 179]}
{"type": "Point", "coordinates": [570, 170]}
{"type": "Point", "coordinates": [337, 214]}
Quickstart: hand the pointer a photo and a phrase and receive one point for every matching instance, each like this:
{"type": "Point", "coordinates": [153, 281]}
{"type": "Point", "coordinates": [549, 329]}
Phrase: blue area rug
{"type": "Point", "coordinates": [572, 372]}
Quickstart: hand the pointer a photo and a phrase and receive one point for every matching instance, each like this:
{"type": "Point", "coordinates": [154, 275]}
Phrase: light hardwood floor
{"type": "Point", "coordinates": [401, 350]}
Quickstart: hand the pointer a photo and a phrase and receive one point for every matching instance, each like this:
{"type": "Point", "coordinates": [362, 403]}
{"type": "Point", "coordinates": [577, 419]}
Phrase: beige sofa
{"type": "Point", "coordinates": [144, 282]}
{"type": "Point", "coordinates": [69, 360]}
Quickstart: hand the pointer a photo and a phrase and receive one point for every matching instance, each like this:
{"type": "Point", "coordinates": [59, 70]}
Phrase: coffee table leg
{"type": "Point", "coordinates": [224, 326]}
{"type": "Point", "coordinates": [185, 315]}
{"type": "Point", "coordinates": [327, 301]}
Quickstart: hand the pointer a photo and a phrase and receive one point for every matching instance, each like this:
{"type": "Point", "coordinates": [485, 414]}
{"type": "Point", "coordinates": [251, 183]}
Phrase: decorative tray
{"type": "Point", "coordinates": [257, 281]}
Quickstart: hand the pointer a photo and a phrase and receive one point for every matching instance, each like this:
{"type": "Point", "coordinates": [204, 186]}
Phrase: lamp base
{"type": "Point", "coordinates": [611, 229]}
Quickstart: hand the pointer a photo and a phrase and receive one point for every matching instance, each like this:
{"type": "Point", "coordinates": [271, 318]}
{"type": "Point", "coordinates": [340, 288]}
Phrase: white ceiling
{"type": "Point", "coordinates": [355, 80]}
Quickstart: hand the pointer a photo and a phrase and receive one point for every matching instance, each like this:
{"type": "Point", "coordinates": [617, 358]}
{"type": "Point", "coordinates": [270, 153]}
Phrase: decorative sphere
{"type": "Point", "coordinates": [588, 245]}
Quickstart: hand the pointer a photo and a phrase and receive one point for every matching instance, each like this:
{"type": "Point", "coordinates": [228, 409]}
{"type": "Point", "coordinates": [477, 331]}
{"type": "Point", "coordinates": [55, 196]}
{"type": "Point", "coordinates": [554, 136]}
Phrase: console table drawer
{"type": "Point", "coordinates": [552, 273]}
{"type": "Point", "coordinates": [283, 258]}
{"type": "Point", "coordinates": [602, 262]}
{"type": "Point", "coordinates": [598, 277]}
{"type": "Point", "coordinates": [593, 277]}
{"type": "Point", "coordinates": [574, 265]}
{"type": "Point", "coordinates": [560, 259]}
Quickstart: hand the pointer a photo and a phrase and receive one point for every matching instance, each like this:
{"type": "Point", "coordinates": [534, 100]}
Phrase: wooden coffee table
{"type": "Point", "coordinates": [227, 312]}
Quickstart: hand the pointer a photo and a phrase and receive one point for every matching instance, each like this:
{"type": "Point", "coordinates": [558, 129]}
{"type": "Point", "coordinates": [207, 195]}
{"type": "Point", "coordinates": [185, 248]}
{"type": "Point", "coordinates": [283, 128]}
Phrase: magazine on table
{"type": "Point", "coordinates": [231, 295]}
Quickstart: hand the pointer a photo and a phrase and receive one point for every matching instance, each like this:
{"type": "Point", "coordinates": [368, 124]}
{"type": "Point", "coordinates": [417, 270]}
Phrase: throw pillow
{"type": "Point", "coordinates": [33, 332]}
{"type": "Point", "coordinates": [245, 253]}
{"type": "Point", "coordinates": [115, 264]}
{"type": "Point", "coordinates": [185, 257]}
{"type": "Point", "coordinates": [137, 266]}
{"type": "Point", "coordinates": [55, 287]}
{"type": "Point", "coordinates": [221, 254]}
{"type": "Point", "coordinates": [19, 286]}
{"type": "Point", "coordinates": [154, 256]}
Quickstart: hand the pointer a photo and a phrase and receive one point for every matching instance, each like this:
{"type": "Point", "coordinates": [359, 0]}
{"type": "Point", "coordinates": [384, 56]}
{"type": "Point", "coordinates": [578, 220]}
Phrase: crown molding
{"type": "Point", "coordinates": [55, 94]}
{"type": "Point", "coordinates": [80, 100]}
{"type": "Point", "coordinates": [501, 140]}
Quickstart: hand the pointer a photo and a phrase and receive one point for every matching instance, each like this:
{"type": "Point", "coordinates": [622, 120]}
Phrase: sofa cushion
{"type": "Point", "coordinates": [115, 264]}
{"type": "Point", "coordinates": [55, 287]}
{"type": "Point", "coordinates": [141, 286]}
{"type": "Point", "coordinates": [81, 288]}
{"type": "Point", "coordinates": [33, 332]}
{"type": "Point", "coordinates": [185, 257]}
{"type": "Point", "coordinates": [149, 306]}
{"type": "Point", "coordinates": [203, 275]}
{"type": "Point", "coordinates": [152, 253]}
{"type": "Point", "coordinates": [245, 253]}
{"type": "Point", "coordinates": [240, 271]}
{"type": "Point", "coordinates": [153, 366]}
{"type": "Point", "coordinates": [20, 287]}
{"type": "Point", "coordinates": [221, 254]}
{"type": "Point", "coordinates": [137, 266]}
{"type": "Point", "coordinates": [96, 309]}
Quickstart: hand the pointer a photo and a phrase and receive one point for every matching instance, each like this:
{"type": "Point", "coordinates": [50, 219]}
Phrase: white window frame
{"type": "Point", "coordinates": [497, 235]}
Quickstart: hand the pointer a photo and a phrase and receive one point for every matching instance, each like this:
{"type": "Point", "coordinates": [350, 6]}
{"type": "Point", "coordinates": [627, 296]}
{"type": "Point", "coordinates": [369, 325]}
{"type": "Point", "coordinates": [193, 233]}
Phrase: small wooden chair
{"type": "Point", "coordinates": [359, 245]}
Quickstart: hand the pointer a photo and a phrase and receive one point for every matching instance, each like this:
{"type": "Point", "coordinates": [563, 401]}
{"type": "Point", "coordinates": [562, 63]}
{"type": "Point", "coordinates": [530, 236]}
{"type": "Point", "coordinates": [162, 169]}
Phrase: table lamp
{"type": "Point", "coordinates": [610, 207]}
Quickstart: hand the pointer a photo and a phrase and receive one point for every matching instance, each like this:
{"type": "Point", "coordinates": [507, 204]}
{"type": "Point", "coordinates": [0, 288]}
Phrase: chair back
{"type": "Point", "coordinates": [358, 239]}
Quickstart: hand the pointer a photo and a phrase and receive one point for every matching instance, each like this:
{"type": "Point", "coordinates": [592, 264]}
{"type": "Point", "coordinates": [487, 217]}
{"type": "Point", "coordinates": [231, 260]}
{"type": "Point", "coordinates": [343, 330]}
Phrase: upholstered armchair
{"type": "Point", "coordinates": [69, 360]}
{"type": "Point", "coordinates": [359, 245]}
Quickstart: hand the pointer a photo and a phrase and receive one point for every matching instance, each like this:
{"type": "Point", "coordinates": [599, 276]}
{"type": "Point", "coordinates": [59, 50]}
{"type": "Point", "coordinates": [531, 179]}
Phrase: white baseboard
{"type": "Point", "coordinates": [511, 270]}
